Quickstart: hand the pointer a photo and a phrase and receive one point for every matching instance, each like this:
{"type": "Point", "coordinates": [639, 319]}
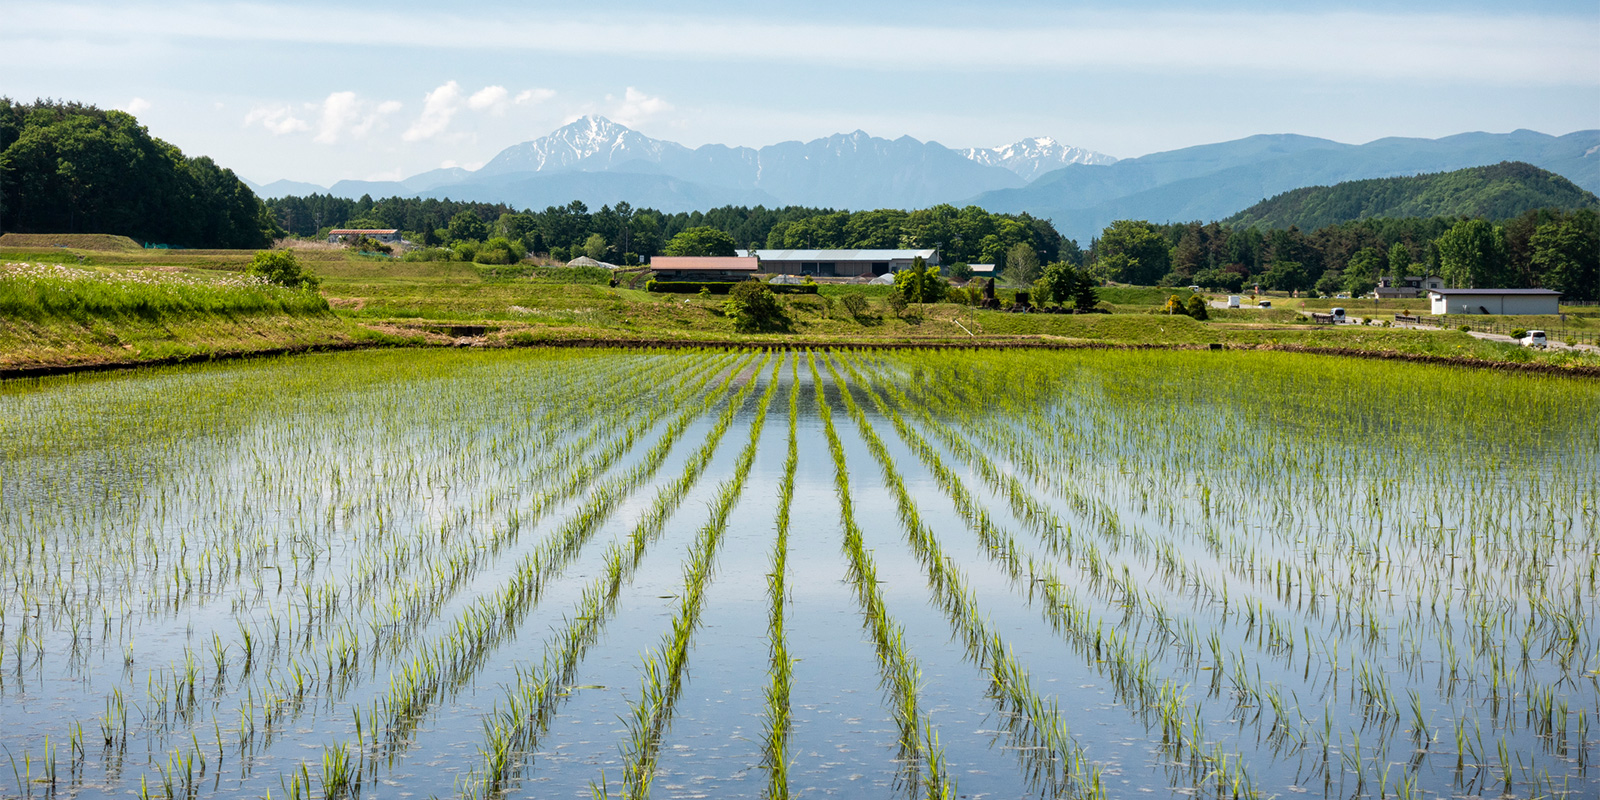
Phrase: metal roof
{"type": "Point", "coordinates": [363, 230]}
{"type": "Point", "coordinates": [679, 263]}
{"type": "Point", "coordinates": [1494, 291]}
{"type": "Point", "coordinates": [842, 255]}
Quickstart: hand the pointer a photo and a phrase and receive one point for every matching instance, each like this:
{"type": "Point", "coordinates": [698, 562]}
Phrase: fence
{"type": "Point", "coordinates": [1566, 335]}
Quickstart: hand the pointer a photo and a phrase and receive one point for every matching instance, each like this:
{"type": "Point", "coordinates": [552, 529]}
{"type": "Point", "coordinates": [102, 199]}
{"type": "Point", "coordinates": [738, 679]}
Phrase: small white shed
{"type": "Point", "coordinates": [1495, 301]}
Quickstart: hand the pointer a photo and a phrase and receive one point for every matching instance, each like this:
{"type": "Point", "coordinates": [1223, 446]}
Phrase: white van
{"type": "Point", "coordinates": [1338, 315]}
{"type": "Point", "coordinates": [1535, 339]}
{"type": "Point", "coordinates": [1233, 301]}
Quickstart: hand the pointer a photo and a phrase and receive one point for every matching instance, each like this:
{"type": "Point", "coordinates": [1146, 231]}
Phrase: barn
{"type": "Point", "coordinates": [1495, 301]}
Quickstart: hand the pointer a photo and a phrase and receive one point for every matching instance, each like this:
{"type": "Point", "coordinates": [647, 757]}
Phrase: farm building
{"type": "Point", "coordinates": [839, 263]}
{"type": "Point", "coordinates": [1495, 301]}
{"type": "Point", "coordinates": [704, 268]}
{"type": "Point", "coordinates": [1409, 286]}
{"type": "Point", "coordinates": [384, 235]}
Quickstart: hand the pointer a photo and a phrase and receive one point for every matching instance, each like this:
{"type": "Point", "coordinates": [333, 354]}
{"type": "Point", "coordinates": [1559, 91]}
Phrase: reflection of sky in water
{"type": "Point", "coordinates": [171, 512]}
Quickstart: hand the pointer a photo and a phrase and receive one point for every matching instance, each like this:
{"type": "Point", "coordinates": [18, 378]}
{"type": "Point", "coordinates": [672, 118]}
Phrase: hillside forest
{"type": "Point", "coordinates": [73, 168]}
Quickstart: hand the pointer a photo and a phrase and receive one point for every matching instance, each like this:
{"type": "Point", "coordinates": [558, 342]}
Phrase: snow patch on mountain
{"type": "Point", "coordinates": [1031, 158]}
{"type": "Point", "coordinates": [589, 142]}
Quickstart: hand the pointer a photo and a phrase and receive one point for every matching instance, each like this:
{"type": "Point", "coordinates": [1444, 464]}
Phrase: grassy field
{"type": "Point", "coordinates": [379, 300]}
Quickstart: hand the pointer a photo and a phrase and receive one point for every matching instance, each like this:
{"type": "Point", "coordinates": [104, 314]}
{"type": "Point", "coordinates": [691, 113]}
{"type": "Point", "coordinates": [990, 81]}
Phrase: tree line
{"type": "Point", "coordinates": [74, 168]}
{"type": "Point", "coordinates": [623, 234]}
{"type": "Point", "coordinates": [1546, 248]}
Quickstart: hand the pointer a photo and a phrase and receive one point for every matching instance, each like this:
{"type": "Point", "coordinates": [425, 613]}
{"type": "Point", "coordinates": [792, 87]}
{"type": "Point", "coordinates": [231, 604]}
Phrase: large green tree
{"type": "Point", "coordinates": [701, 241]}
{"type": "Point", "coordinates": [1132, 251]}
{"type": "Point", "coordinates": [1566, 257]}
{"type": "Point", "coordinates": [1472, 255]}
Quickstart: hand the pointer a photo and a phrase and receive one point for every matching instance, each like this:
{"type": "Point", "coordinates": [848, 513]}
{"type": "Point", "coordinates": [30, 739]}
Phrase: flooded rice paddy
{"type": "Point", "coordinates": [772, 574]}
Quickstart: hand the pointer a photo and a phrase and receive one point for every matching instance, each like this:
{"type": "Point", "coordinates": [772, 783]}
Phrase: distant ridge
{"type": "Point", "coordinates": [1497, 192]}
{"type": "Point", "coordinates": [599, 161]}
{"type": "Point", "coordinates": [1215, 181]}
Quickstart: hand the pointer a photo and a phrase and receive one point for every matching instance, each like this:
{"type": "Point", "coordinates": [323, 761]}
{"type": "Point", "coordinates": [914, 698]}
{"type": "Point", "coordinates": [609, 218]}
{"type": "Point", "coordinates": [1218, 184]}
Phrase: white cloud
{"type": "Point", "coordinates": [278, 119]}
{"type": "Point", "coordinates": [438, 108]}
{"type": "Point", "coordinates": [344, 115]}
{"type": "Point", "coordinates": [534, 96]}
{"type": "Point", "coordinates": [489, 98]}
{"type": "Point", "coordinates": [1507, 48]}
{"type": "Point", "coordinates": [637, 107]}
{"type": "Point", "coordinates": [137, 106]}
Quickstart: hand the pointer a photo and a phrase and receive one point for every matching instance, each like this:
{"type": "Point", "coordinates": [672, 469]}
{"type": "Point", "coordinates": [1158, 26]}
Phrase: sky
{"type": "Point", "coordinates": [331, 90]}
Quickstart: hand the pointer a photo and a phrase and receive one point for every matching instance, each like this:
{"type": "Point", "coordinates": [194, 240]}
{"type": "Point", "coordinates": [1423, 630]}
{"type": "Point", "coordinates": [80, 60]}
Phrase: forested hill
{"type": "Point", "coordinates": [72, 168]}
{"type": "Point", "coordinates": [1498, 192]}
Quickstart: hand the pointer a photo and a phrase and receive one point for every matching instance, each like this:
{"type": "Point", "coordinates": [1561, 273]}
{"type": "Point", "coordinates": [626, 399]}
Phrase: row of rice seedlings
{"type": "Point", "coordinates": [923, 768]}
{"type": "Point", "coordinates": [1050, 754]}
{"type": "Point", "coordinates": [256, 549]}
{"type": "Point", "coordinates": [450, 660]}
{"type": "Point", "coordinates": [332, 669]}
{"type": "Point", "coordinates": [1257, 612]}
{"type": "Point", "coordinates": [190, 576]}
{"type": "Point", "coordinates": [411, 604]}
{"type": "Point", "coordinates": [511, 729]}
{"type": "Point", "coordinates": [1413, 618]}
{"type": "Point", "coordinates": [666, 666]}
{"type": "Point", "coordinates": [775, 755]}
{"type": "Point", "coordinates": [1027, 574]}
{"type": "Point", "coordinates": [302, 685]}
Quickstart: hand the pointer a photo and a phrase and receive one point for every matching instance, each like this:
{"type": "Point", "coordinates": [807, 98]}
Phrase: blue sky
{"type": "Point", "coordinates": [333, 90]}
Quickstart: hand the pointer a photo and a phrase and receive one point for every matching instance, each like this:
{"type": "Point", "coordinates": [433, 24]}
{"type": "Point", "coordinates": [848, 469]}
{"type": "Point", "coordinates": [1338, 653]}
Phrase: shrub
{"type": "Point", "coordinates": [282, 268]}
{"type": "Point", "coordinates": [1518, 333]}
{"type": "Point", "coordinates": [855, 304]}
{"type": "Point", "coordinates": [754, 308]}
{"type": "Point", "coordinates": [896, 301]}
{"type": "Point", "coordinates": [430, 254]}
{"type": "Point", "coordinates": [1195, 307]}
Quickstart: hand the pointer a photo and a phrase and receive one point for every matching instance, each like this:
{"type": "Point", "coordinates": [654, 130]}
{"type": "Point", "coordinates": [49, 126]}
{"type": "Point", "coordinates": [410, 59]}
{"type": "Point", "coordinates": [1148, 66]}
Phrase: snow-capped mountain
{"type": "Point", "coordinates": [1031, 158]}
{"type": "Point", "coordinates": [846, 170]}
{"type": "Point", "coordinates": [590, 143]}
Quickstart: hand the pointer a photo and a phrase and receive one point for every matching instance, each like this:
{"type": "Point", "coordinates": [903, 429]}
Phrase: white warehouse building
{"type": "Point", "coordinates": [1495, 301]}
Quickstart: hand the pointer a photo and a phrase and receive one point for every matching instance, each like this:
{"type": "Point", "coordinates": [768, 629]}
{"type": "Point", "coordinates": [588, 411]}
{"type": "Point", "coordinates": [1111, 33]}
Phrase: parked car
{"type": "Point", "coordinates": [1535, 339]}
{"type": "Point", "coordinates": [1264, 304]}
{"type": "Point", "coordinates": [1338, 315]}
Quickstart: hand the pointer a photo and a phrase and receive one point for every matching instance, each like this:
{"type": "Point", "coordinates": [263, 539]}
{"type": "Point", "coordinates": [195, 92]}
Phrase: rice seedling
{"type": "Point", "coordinates": [1277, 569]}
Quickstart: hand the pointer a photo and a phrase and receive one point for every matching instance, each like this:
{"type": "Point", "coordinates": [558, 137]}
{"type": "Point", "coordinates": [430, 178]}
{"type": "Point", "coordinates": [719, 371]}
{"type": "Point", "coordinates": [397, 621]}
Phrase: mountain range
{"type": "Point", "coordinates": [600, 162]}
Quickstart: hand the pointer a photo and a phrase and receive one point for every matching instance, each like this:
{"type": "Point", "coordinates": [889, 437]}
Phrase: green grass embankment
{"type": "Point", "coordinates": [168, 309]}
{"type": "Point", "coordinates": [53, 315]}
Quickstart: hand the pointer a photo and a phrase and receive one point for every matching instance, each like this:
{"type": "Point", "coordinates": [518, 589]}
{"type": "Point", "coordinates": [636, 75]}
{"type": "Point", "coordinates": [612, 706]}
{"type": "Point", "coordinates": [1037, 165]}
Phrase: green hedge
{"type": "Point", "coordinates": [689, 287]}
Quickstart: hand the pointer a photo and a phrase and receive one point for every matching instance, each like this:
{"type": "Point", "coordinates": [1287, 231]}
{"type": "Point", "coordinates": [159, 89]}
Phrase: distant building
{"type": "Point", "coordinates": [384, 235]}
{"type": "Point", "coordinates": [1495, 301]}
{"type": "Point", "coordinates": [1409, 286]}
{"type": "Point", "coordinates": [703, 268]}
{"type": "Point", "coordinates": [840, 263]}
{"type": "Point", "coordinates": [981, 270]}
